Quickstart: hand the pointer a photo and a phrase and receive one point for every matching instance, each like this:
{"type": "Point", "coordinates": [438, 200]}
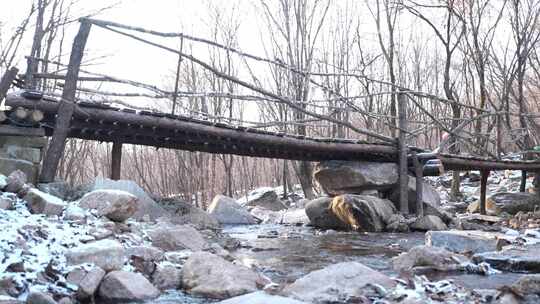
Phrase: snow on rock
{"type": "Point", "coordinates": [75, 213]}
{"type": "Point", "coordinates": [41, 202]}
{"type": "Point", "coordinates": [123, 286]}
{"type": "Point", "coordinates": [265, 198]}
{"type": "Point", "coordinates": [260, 297]}
{"type": "Point", "coordinates": [116, 205]}
{"type": "Point", "coordinates": [3, 181]}
{"type": "Point", "coordinates": [107, 254]}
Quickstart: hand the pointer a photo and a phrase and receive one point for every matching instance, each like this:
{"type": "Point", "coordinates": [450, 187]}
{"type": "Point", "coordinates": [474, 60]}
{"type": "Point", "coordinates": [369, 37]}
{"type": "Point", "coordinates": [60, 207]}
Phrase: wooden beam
{"type": "Point", "coordinates": [419, 172]}
{"type": "Point", "coordinates": [403, 151]}
{"type": "Point", "coordinates": [483, 188]}
{"type": "Point", "coordinates": [523, 183]}
{"type": "Point", "coordinates": [5, 83]}
{"type": "Point", "coordinates": [67, 106]}
{"type": "Point", "coordinates": [116, 160]}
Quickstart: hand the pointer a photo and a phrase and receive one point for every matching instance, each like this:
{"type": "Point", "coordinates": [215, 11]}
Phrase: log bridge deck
{"type": "Point", "coordinates": [109, 124]}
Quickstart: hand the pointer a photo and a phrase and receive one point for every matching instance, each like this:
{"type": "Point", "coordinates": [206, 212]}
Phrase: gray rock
{"type": "Point", "coordinates": [6, 203]}
{"type": "Point", "coordinates": [426, 256]}
{"type": "Point", "coordinates": [23, 141]}
{"type": "Point", "coordinates": [15, 180]}
{"type": "Point", "coordinates": [336, 282]}
{"type": "Point", "coordinates": [167, 276]}
{"type": "Point", "coordinates": [227, 211]}
{"type": "Point", "coordinates": [43, 203]}
{"type": "Point", "coordinates": [514, 259]}
{"type": "Point", "coordinates": [346, 177]}
{"type": "Point", "coordinates": [265, 198]}
{"type": "Point", "coordinates": [260, 297]}
{"type": "Point", "coordinates": [123, 286]}
{"type": "Point", "coordinates": [147, 253]}
{"type": "Point", "coordinates": [528, 284]}
{"type": "Point", "coordinates": [430, 197]}
{"type": "Point", "coordinates": [176, 237]}
{"type": "Point", "coordinates": [208, 275]}
{"type": "Point", "coordinates": [429, 222]}
{"type": "Point", "coordinates": [147, 208]}
{"type": "Point", "coordinates": [107, 254]}
{"type": "Point", "coordinates": [362, 212]}
{"type": "Point", "coordinates": [266, 216]}
{"type": "Point", "coordinates": [295, 217]}
{"type": "Point", "coordinates": [87, 279]}
{"type": "Point", "coordinates": [10, 286]}
{"type": "Point", "coordinates": [186, 213]}
{"type": "Point", "coordinates": [464, 241]}
{"type": "Point", "coordinates": [321, 216]}
{"type": "Point", "coordinates": [515, 202]}
{"type": "Point", "coordinates": [9, 165]}
{"type": "Point", "coordinates": [38, 297]}
{"type": "Point", "coordinates": [116, 205]}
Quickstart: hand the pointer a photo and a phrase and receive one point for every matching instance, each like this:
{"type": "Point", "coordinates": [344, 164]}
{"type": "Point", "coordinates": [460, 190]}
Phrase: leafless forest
{"type": "Point", "coordinates": [472, 68]}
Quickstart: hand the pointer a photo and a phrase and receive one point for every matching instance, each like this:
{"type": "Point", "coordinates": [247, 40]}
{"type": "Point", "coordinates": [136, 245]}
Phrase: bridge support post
{"type": "Point", "coordinates": [419, 173]}
{"type": "Point", "coordinates": [116, 160]}
{"type": "Point", "coordinates": [403, 166]}
{"type": "Point", "coordinates": [523, 184]}
{"type": "Point", "coordinates": [483, 185]}
{"type": "Point", "coordinates": [67, 105]}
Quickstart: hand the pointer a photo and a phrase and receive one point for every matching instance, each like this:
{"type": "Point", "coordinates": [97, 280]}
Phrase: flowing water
{"type": "Point", "coordinates": [286, 253]}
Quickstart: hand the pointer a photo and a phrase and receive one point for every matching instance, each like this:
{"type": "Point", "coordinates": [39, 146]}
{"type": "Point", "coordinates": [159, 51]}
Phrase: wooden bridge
{"type": "Point", "coordinates": [66, 118]}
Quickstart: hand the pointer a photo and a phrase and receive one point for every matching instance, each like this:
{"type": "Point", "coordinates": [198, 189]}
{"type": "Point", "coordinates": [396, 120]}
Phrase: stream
{"type": "Point", "coordinates": [286, 253]}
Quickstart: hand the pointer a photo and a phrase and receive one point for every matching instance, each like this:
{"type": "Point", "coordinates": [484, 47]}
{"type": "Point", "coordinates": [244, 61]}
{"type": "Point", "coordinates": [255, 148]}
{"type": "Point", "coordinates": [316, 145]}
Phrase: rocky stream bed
{"type": "Point", "coordinates": [110, 242]}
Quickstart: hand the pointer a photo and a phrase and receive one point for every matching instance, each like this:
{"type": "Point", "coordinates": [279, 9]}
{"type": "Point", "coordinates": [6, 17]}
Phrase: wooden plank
{"type": "Point", "coordinates": [67, 106]}
{"type": "Point", "coordinates": [7, 80]}
{"type": "Point", "coordinates": [419, 172]}
{"type": "Point", "coordinates": [116, 160]}
{"type": "Point", "coordinates": [483, 188]}
{"type": "Point", "coordinates": [403, 151]}
{"type": "Point", "coordinates": [451, 162]}
{"type": "Point", "coordinates": [7, 130]}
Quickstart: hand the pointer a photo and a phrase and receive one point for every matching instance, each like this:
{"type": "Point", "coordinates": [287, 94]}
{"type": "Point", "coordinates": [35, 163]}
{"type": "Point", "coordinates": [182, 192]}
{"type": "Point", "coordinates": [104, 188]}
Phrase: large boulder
{"type": "Point", "coordinates": [430, 197]}
{"type": "Point", "coordinates": [43, 203]}
{"type": "Point", "coordinates": [266, 198]}
{"type": "Point", "coordinates": [464, 241]}
{"type": "Point", "coordinates": [363, 212]}
{"type": "Point", "coordinates": [208, 275]}
{"type": "Point", "coordinates": [147, 208]}
{"type": "Point", "coordinates": [107, 254]}
{"type": "Point", "coordinates": [123, 286]}
{"type": "Point", "coordinates": [343, 177]}
{"type": "Point", "coordinates": [528, 284]}
{"type": "Point", "coordinates": [511, 203]}
{"type": "Point", "coordinates": [260, 297]}
{"type": "Point", "coordinates": [87, 279]}
{"type": "Point", "coordinates": [186, 213]}
{"type": "Point", "coordinates": [426, 256]}
{"type": "Point", "coordinates": [336, 282]}
{"type": "Point", "coordinates": [227, 211]}
{"type": "Point", "coordinates": [116, 205]}
{"type": "Point", "coordinates": [512, 259]}
{"type": "Point", "coordinates": [321, 216]}
{"type": "Point", "coordinates": [170, 237]}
